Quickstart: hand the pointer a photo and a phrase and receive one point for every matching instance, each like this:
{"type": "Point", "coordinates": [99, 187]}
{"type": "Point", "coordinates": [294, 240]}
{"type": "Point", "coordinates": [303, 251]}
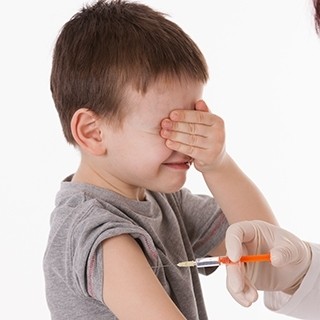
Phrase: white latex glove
{"type": "Point", "coordinates": [290, 260]}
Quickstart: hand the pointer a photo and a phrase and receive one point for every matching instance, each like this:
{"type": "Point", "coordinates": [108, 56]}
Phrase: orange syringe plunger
{"type": "Point", "coordinates": [251, 258]}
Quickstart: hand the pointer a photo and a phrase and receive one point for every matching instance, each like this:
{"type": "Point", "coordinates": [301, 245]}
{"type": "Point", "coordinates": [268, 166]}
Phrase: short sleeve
{"type": "Point", "coordinates": [86, 247]}
{"type": "Point", "coordinates": [205, 222]}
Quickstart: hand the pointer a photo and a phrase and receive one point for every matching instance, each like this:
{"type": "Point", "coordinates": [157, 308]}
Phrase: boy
{"type": "Point", "coordinates": [127, 84]}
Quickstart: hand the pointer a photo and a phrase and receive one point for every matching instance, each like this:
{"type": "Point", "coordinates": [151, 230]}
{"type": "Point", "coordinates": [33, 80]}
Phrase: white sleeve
{"type": "Point", "coordinates": [305, 303]}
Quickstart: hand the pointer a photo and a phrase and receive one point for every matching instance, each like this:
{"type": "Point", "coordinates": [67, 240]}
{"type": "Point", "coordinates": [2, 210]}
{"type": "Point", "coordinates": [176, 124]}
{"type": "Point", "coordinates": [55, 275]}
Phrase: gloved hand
{"type": "Point", "coordinates": [290, 260]}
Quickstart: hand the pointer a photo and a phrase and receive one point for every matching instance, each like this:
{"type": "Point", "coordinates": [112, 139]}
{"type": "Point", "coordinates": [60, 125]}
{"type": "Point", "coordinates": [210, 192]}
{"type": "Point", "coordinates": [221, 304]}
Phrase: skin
{"type": "Point", "coordinates": [170, 126]}
{"type": "Point", "coordinates": [130, 170]}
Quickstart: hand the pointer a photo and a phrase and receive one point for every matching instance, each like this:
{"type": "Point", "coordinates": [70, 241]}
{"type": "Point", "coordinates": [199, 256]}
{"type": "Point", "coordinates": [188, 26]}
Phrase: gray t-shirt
{"type": "Point", "coordinates": [169, 227]}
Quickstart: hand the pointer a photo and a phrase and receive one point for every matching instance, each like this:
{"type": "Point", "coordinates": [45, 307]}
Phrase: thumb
{"type": "Point", "coordinates": [284, 255]}
{"type": "Point", "coordinates": [201, 106]}
{"type": "Point", "coordinates": [289, 249]}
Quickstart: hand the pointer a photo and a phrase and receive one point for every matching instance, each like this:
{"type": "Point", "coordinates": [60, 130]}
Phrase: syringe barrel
{"type": "Point", "coordinates": [207, 262]}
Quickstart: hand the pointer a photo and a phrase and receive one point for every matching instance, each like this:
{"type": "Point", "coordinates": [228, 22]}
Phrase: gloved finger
{"type": "Point", "coordinates": [236, 235]}
{"type": "Point", "coordinates": [289, 253]}
{"type": "Point", "coordinates": [235, 278]}
{"type": "Point", "coordinates": [239, 287]}
{"type": "Point", "coordinates": [280, 256]}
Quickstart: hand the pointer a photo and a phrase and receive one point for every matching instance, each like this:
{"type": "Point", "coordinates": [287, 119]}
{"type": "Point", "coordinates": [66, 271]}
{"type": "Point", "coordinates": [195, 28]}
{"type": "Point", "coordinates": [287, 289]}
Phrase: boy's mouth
{"type": "Point", "coordinates": [182, 165]}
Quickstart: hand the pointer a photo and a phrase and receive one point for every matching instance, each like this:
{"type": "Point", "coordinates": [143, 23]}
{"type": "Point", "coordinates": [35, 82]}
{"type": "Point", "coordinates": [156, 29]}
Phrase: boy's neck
{"type": "Point", "coordinates": [85, 174]}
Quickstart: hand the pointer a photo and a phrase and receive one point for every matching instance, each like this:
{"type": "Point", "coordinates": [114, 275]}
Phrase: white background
{"type": "Point", "coordinates": [264, 60]}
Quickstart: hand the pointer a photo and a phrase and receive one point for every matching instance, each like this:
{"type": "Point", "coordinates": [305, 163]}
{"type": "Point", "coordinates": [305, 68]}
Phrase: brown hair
{"type": "Point", "coordinates": [112, 44]}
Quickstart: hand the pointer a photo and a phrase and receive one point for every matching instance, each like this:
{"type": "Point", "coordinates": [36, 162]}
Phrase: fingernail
{"type": "Point", "coordinates": [164, 133]}
{"type": "Point", "coordinates": [166, 124]}
{"type": "Point", "coordinates": [174, 115]}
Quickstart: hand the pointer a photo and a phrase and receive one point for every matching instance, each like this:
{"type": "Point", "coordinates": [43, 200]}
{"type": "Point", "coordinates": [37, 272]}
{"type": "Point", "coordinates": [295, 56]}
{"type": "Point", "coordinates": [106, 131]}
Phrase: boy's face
{"type": "Point", "coordinates": [137, 157]}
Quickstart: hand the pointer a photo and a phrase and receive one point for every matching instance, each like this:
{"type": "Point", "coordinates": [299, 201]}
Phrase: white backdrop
{"type": "Point", "coordinates": [264, 60]}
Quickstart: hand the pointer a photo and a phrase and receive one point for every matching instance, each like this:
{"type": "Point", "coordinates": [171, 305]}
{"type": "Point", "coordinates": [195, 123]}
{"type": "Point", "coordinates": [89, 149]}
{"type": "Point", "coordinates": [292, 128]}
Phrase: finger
{"type": "Point", "coordinates": [236, 235]}
{"type": "Point", "coordinates": [189, 150]}
{"type": "Point", "coordinates": [287, 248]}
{"type": "Point", "coordinates": [201, 106]}
{"type": "Point", "coordinates": [284, 255]}
{"type": "Point", "coordinates": [235, 278]}
{"type": "Point", "coordinates": [239, 287]}
{"type": "Point", "coordinates": [245, 298]}
{"type": "Point", "coordinates": [193, 116]}
{"type": "Point", "coordinates": [185, 127]}
{"type": "Point", "coordinates": [186, 139]}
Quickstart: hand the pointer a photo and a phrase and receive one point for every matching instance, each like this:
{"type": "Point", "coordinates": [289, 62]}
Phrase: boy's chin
{"type": "Point", "coordinates": [170, 188]}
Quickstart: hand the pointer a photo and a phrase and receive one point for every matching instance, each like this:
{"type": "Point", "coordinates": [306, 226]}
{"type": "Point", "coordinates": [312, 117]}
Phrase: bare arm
{"type": "Point", "coordinates": [130, 288]}
{"type": "Point", "coordinates": [237, 195]}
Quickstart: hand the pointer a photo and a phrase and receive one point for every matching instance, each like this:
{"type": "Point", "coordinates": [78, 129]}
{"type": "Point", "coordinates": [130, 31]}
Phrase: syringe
{"type": "Point", "coordinates": [216, 261]}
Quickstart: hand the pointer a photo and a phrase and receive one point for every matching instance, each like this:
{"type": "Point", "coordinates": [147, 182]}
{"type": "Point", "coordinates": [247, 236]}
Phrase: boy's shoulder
{"type": "Point", "coordinates": [81, 200]}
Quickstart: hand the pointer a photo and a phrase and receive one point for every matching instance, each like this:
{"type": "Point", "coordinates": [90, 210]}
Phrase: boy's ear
{"type": "Point", "coordinates": [86, 130]}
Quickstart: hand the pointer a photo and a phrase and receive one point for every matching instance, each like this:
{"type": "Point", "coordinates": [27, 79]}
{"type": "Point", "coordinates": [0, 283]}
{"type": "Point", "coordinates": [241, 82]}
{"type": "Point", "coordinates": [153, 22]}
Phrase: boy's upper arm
{"type": "Point", "coordinates": [130, 287]}
{"type": "Point", "coordinates": [219, 250]}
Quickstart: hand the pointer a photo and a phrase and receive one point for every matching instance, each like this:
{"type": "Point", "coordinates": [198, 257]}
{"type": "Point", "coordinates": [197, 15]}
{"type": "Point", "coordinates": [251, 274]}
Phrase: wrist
{"type": "Point", "coordinates": [219, 166]}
